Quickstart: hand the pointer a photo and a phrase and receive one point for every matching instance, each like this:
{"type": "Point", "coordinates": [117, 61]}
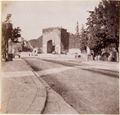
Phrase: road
{"type": "Point", "coordinates": [86, 89]}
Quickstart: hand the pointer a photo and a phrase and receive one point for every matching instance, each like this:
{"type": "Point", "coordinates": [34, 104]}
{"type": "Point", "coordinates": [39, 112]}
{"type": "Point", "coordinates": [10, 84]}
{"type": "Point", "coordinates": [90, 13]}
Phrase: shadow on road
{"type": "Point", "coordinates": [61, 62]}
{"type": "Point", "coordinates": [34, 67]}
{"type": "Point", "coordinates": [104, 72]}
{"type": "Point", "coordinates": [109, 73]}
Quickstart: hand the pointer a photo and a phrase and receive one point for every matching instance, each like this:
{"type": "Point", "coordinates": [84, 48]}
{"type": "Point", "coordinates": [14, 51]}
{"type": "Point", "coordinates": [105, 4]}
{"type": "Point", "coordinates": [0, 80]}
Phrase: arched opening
{"type": "Point", "coordinates": [50, 47]}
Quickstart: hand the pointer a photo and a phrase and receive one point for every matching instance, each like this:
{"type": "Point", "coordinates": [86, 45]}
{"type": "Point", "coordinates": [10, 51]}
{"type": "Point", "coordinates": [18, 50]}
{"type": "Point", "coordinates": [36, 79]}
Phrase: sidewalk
{"type": "Point", "coordinates": [22, 92]}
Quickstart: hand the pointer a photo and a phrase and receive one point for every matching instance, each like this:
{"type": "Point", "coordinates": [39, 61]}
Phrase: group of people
{"type": "Point", "coordinates": [106, 55]}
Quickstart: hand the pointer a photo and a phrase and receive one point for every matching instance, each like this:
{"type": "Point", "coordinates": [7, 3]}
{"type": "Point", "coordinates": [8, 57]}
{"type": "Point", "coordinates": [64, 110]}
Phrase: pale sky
{"type": "Point", "coordinates": [33, 16]}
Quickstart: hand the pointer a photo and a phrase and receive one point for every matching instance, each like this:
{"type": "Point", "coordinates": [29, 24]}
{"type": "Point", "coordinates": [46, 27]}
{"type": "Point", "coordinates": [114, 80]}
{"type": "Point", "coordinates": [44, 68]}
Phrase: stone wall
{"type": "Point", "coordinates": [61, 39]}
{"type": "Point", "coordinates": [64, 41]}
{"type": "Point", "coordinates": [36, 43]}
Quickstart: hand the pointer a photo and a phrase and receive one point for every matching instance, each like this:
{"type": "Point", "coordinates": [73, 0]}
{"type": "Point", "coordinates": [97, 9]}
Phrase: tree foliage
{"type": "Point", "coordinates": [8, 33]}
{"type": "Point", "coordinates": [103, 25]}
{"type": "Point", "coordinates": [83, 38]}
{"type": "Point", "coordinates": [16, 34]}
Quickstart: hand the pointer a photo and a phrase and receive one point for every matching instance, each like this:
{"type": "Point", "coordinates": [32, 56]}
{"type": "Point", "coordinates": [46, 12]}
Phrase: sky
{"type": "Point", "coordinates": [33, 16]}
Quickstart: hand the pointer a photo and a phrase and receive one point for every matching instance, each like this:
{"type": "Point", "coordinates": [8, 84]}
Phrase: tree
{"type": "Point", "coordinates": [83, 38]}
{"type": "Point", "coordinates": [111, 21]}
{"type": "Point", "coordinates": [16, 34]}
{"type": "Point", "coordinates": [7, 28]}
{"type": "Point", "coordinates": [8, 33]}
{"type": "Point", "coordinates": [103, 25]}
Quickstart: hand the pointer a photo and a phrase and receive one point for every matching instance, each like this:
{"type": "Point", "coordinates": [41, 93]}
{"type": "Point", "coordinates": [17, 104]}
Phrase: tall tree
{"type": "Point", "coordinates": [8, 33]}
{"type": "Point", "coordinates": [103, 25]}
{"type": "Point", "coordinates": [7, 28]}
{"type": "Point", "coordinates": [83, 38]}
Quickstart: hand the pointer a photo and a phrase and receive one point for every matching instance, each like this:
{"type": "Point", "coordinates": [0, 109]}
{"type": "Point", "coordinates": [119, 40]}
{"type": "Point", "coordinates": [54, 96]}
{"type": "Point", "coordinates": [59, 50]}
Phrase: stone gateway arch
{"type": "Point", "coordinates": [55, 40]}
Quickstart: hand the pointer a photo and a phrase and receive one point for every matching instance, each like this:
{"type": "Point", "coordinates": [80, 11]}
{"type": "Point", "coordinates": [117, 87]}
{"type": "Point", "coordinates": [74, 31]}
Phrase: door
{"type": "Point", "coordinates": [49, 46]}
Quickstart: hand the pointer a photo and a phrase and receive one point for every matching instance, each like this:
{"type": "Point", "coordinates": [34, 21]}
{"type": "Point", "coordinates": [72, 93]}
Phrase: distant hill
{"type": "Point", "coordinates": [36, 43]}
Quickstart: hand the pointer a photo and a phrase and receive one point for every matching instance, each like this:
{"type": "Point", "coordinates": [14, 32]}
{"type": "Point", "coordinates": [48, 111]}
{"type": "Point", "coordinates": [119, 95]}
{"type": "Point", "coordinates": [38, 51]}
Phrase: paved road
{"type": "Point", "coordinates": [86, 90]}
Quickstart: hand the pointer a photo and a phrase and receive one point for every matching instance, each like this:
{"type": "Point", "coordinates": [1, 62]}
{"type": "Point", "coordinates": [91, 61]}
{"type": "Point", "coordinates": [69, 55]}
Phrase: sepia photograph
{"type": "Point", "coordinates": [59, 57]}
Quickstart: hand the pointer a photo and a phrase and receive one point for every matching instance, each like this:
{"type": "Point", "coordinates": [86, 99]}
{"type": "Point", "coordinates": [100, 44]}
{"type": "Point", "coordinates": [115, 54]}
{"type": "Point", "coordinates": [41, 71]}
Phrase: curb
{"type": "Point", "coordinates": [39, 86]}
{"type": "Point", "coordinates": [67, 106]}
{"type": "Point", "coordinates": [67, 110]}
